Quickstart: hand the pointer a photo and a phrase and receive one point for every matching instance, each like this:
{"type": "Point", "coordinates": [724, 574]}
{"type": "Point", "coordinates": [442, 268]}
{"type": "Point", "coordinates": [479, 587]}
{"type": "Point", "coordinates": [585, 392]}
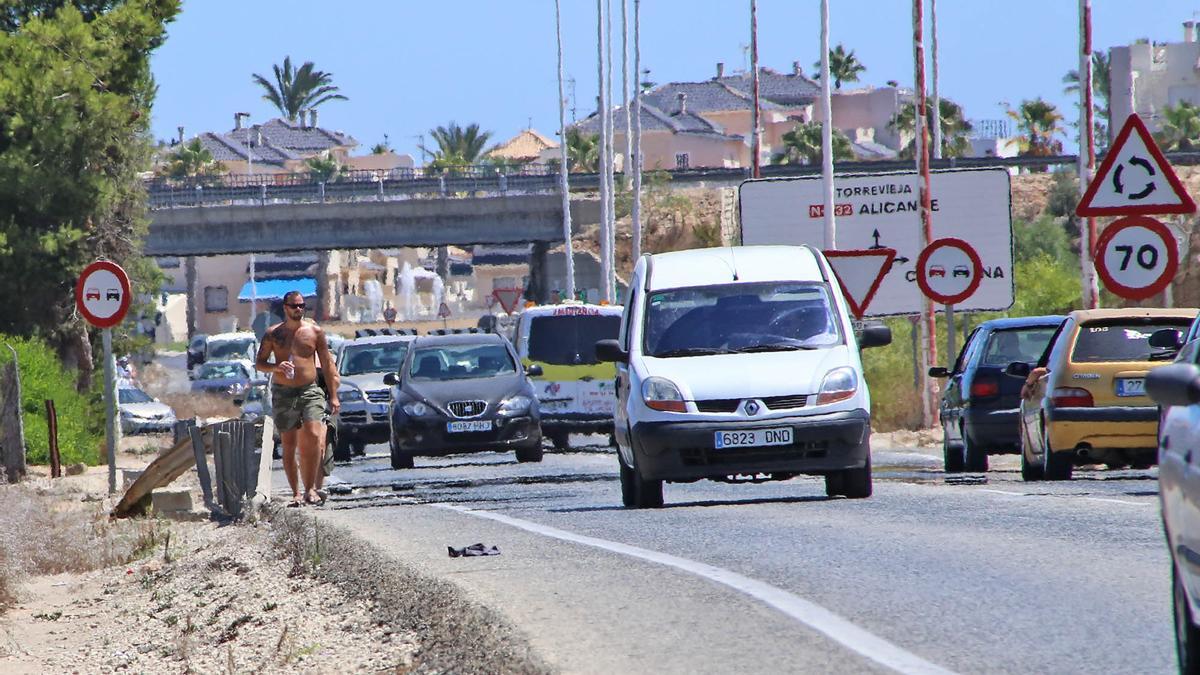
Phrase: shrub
{"type": "Point", "coordinates": [80, 422]}
{"type": "Point", "coordinates": [888, 370]}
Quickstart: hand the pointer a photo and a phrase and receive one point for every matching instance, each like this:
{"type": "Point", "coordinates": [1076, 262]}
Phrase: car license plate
{"type": "Point", "coordinates": [753, 438]}
{"type": "Point", "coordinates": [472, 425]}
{"type": "Point", "coordinates": [1131, 386]}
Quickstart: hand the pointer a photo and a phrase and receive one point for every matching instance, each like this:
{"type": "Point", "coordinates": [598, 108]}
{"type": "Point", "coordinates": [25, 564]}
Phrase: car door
{"type": "Point", "coordinates": [1179, 480]}
{"type": "Point", "coordinates": [953, 398]}
{"type": "Point", "coordinates": [1034, 391]}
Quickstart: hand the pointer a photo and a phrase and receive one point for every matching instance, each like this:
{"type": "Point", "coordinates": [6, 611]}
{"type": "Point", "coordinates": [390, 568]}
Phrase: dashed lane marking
{"type": "Point", "coordinates": [1120, 501]}
{"type": "Point", "coordinates": [814, 616]}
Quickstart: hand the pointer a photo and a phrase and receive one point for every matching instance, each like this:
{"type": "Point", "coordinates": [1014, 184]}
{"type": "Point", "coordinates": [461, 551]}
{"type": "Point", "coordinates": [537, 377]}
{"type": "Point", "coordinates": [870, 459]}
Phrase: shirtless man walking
{"type": "Point", "coordinates": [298, 404]}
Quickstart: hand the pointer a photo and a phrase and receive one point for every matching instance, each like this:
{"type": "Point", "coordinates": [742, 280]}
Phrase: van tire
{"type": "Point", "coordinates": [531, 453]}
{"type": "Point", "coordinates": [341, 449]}
{"type": "Point", "coordinates": [856, 483]}
{"type": "Point", "coordinates": [1187, 636]}
{"type": "Point", "coordinates": [400, 458]}
{"type": "Point", "coordinates": [560, 439]}
{"type": "Point", "coordinates": [636, 492]}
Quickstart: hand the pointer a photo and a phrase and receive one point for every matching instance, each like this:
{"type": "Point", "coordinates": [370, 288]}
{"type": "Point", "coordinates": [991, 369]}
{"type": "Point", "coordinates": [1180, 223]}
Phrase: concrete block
{"type": "Point", "coordinates": [169, 500]}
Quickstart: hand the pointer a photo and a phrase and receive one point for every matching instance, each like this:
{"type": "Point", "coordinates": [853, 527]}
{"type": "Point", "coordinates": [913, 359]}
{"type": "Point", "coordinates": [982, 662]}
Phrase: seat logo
{"type": "Point", "coordinates": [751, 408]}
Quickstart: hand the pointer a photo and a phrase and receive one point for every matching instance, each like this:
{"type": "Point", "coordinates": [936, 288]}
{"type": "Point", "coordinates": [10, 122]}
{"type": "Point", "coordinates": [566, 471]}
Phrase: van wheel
{"type": "Point", "coordinates": [532, 453]}
{"type": "Point", "coordinates": [561, 440]}
{"type": "Point", "coordinates": [1056, 465]}
{"type": "Point", "coordinates": [975, 457]}
{"type": "Point", "coordinates": [358, 448]}
{"type": "Point", "coordinates": [636, 492]}
{"type": "Point", "coordinates": [1187, 636]}
{"type": "Point", "coordinates": [856, 483]}
{"type": "Point", "coordinates": [401, 459]}
{"type": "Point", "coordinates": [341, 449]}
{"type": "Point", "coordinates": [952, 457]}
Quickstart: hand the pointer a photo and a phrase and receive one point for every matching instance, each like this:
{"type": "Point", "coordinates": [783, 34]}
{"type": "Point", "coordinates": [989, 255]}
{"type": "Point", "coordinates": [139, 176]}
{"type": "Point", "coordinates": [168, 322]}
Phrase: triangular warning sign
{"type": "Point", "coordinates": [859, 272]}
{"type": "Point", "coordinates": [1134, 179]}
{"type": "Point", "coordinates": [508, 297]}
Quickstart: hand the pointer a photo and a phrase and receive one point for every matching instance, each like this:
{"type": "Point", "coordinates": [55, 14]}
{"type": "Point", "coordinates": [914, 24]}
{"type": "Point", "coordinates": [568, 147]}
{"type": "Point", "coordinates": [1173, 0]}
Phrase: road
{"type": "Point", "coordinates": [929, 575]}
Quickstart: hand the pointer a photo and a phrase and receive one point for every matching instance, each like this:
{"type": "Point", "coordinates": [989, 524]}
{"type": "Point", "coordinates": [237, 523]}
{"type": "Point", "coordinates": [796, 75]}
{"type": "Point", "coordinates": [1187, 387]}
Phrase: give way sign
{"type": "Point", "coordinates": [859, 273]}
{"type": "Point", "coordinates": [508, 298]}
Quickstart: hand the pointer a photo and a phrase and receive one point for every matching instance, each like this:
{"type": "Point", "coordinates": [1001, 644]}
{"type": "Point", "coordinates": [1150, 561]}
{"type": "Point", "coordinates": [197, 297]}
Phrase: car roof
{"type": "Point", "coordinates": [379, 340]}
{"type": "Point", "coordinates": [1084, 315]}
{"type": "Point", "coordinates": [459, 339]}
{"type": "Point", "coordinates": [733, 264]}
{"type": "Point", "coordinates": [1049, 320]}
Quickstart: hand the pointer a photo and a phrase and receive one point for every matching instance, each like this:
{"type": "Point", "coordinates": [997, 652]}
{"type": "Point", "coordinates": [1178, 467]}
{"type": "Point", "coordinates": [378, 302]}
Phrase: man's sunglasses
{"type": "Point", "coordinates": [298, 305]}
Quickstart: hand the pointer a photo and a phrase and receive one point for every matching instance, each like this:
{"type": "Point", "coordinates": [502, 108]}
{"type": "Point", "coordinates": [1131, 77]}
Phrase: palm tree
{"type": "Point", "coordinates": [1180, 128]}
{"type": "Point", "coordinates": [464, 145]}
{"type": "Point", "coordinates": [802, 145]}
{"type": "Point", "coordinates": [192, 159]}
{"type": "Point", "coordinates": [295, 90]}
{"type": "Point", "coordinates": [956, 130]}
{"type": "Point", "coordinates": [324, 168]}
{"type": "Point", "coordinates": [1040, 123]}
{"type": "Point", "coordinates": [1101, 86]}
{"type": "Point", "coordinates": [583, 151]}
{"type": "Point", "coordinates": [843, 66]}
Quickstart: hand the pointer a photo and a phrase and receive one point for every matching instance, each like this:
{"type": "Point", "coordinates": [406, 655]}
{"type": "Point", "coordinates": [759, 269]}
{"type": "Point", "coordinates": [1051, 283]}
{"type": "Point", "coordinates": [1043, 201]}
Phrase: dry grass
{"type": "Point", "coordinates": [201, 405]}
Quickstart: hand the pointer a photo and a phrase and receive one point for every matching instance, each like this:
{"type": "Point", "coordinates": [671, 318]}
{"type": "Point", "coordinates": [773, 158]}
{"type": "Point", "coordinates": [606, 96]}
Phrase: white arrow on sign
{"type": "Point", "coordinates": [859, 273]}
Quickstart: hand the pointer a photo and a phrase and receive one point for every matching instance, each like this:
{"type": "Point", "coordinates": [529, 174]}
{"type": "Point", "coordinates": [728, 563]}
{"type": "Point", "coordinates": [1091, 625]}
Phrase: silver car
{"type": "Point", "coordinates": [141, 412]}
{"type": "Point", "coordinates": [364, 397]}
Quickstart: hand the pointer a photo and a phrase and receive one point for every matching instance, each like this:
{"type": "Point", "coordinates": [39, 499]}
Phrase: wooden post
{"type": "Point", "coordinates": [52, 424]}
{"type": "Point", "coordinates": [12, 430]}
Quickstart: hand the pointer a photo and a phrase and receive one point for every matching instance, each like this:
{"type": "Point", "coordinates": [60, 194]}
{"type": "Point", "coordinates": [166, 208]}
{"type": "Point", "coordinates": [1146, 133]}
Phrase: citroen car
{"type": "Point", "coordinates": [1085, 400]}
{"type": "Point", "coordinates": [462, 393]}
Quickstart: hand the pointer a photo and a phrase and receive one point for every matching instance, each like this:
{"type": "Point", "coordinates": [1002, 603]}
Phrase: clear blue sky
{"type": "Point", "coordinates": [410, 65]}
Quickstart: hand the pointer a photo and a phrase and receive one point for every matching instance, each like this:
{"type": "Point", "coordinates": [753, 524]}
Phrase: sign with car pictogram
{"type": "Point", "coordinates": [1136, 257]}
{"type": "Point", "coordinates": [1134, 179]}
{"type": "Point", "coordinates": [102, 294]}
{"type": "Point", "coordinates": [949, 271]}
{"type": "Point", "coordinates": [859, 273]}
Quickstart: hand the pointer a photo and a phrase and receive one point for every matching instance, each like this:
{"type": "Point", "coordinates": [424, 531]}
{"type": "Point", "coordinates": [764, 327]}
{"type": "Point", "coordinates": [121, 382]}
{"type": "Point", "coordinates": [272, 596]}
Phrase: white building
{"type": "Point", "coordinates": [1146, 77]}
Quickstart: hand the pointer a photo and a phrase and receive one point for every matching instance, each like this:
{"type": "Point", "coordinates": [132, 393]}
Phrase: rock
{"type": "Point", "coordinates": [76, 469]}
{"type": "Point", "coordinates": [145, 649]}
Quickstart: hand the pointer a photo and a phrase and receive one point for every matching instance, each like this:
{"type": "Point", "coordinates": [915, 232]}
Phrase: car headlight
{"type": "Point", "coordinates": [416, 409]}
{"type": "Point", "coordinates": [349, 394]}
{"type": "Point", "coordinates": [515, 405]}
{"type": "Point", "coordinates": [839, 384]}
{"type": "Point", "coordinates": [660, 393]}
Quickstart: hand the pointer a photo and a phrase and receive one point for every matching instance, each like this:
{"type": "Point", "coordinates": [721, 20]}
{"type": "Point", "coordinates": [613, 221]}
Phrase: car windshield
{"type": "Point", "coordinates": [374, 358]}
{"type": "Point", "coordinates": [736, 318]}
{"type": "Point", "coordinates": [221, 371]}
{"type": "Point", "coordinates": [1119, 341]}
{"type": "Point", "coordinates": [1017, 344]}
{"type": "Point", "coordinates": [230, 349]}
{"type": "Point", "coordinates": [460, 362]}
{"type": "Point", "coordinates": [570, 340]}
{"type": "Point", "coordinates": [131, 395]}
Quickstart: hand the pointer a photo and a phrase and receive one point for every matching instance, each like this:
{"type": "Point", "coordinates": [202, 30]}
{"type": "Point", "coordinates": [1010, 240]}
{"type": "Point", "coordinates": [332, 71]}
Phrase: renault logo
{"type": "Point", "coordinates": [751, 408]}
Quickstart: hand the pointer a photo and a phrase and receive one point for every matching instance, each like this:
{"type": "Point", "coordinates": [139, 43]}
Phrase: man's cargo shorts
{"type": "Point", "coordinates": [292, 405]}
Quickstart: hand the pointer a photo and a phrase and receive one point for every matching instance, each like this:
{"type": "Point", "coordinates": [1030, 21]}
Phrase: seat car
{"type": "Point", "coordinates": [739, 364]}
{"type": "Point", "coordinates": [364, 397]}
{"type": "Point", "coordinates": [463, 393]}
{"type": "Point", "coordinates": [576, 393]}
{"type": "Point", "coordinates": [1085, 401]}
{"type": "Point", "coordinates": [141, 412]}
{"type": "Point", "coordinates": [980, 405]}
{"type": "Point", "coordinates": [224, 378]}
{"type": "Point", "coordinates": [1176, 388]}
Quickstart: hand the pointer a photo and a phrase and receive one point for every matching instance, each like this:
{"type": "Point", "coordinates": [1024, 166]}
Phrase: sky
{"type": "Point", "coordinates": [408, 66]}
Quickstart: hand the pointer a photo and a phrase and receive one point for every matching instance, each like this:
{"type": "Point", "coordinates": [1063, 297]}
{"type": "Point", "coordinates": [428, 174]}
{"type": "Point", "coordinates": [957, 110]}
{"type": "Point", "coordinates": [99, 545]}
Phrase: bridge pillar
{"type": "Point", "coordinates": [189, 266]}
{"type": "Point", "coordinates": [539, 287]}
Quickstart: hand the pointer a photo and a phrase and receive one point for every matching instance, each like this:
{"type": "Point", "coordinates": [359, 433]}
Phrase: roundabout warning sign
{"type": "Point", "coordinates": [949, 271]}
{"type": "Point", "coordinates": [1136, 257]}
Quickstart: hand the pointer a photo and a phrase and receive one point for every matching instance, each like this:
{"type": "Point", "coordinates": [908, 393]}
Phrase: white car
{"type": "Point", "coordinates": [739, 364]}
{"type": "Point", "coordinates": [141, 412]}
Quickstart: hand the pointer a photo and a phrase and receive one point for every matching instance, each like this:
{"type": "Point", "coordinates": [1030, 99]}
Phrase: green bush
{"type": "Point", "coordinates": [889, 374]}
{"type": "Point", "coordinates": [80, 423]}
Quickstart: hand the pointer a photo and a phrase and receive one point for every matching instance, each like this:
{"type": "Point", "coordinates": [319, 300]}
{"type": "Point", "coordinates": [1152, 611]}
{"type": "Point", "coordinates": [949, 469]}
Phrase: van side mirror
{"type": "Point", "coordinates": [1018, 369]}
{"type": "Point", "coordinates": [390, 379]}
{"type": "Point", "coordinates": [534, 371]}
{"type": "Point", "coordinates": [875, 335]}
{"type": "Point", "coordinates": [1176, 384]}
{"type": "Point", "coordinates": [610, 351]}
{"type": "Point", "coordinates": [1166, 338]}
{"type": "Point", "coordinates": [939, 371]}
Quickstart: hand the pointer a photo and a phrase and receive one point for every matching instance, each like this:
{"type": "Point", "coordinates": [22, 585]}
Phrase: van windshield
{"type": "Point", "coordinates": [740, 318]}
{"type": "Point", "coordinates": [570, 340]}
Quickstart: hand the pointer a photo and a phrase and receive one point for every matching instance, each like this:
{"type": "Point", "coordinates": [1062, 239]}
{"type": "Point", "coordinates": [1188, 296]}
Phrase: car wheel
{"type": "Point", "coordinates": [835, 484]}
{"type": "Point", "coordinates": [856, 483]}
{"type": "Point", "coordinates": [952, 457]}
{"type": "Point", "coordinates": [341, 449]}
{"type": "Point", "coordinates": [401, 459]}
{"type": "Point", "coordinates": [560, 440]}
{"type": "Point", "coordinates": [1056, 465]}
{"type": "Point", "coordinates": [532, 453]}
{"type": "Point", "coordinates": [636, 492]}
{"type": "Point", "coordinates": [1187, 636]}
{"type": "Point", "coordinates": [975, 457]}
{"type": "Point", "coordinates": [628, 483]}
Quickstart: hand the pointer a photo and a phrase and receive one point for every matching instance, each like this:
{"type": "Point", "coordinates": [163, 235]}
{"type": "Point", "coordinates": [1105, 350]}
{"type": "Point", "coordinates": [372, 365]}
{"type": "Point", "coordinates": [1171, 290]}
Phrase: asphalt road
{"type": "Point", "coordinates": [969, 575]}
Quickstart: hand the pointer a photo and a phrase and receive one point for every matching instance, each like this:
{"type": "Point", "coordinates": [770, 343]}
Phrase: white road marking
{"type": "Point", "coordinates": [1002, 492]}
{"type": "Point", "coordinates": [1119, 501]}
{"type": "Point", "coordinates": [814, 616]}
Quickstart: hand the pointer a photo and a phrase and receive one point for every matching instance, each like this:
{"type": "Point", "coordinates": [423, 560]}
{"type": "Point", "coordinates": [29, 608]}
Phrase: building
{"type": "Point", "coordinates": [1145, 78]}
{"type": "Point", "coordinates": [529, 146]}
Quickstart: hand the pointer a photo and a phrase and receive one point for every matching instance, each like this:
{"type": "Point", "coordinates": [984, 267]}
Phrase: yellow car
{"type": "Point", "coordinates": [1085, 400]}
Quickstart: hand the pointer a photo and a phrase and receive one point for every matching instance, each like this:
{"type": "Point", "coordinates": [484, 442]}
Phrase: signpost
{"type": "Point", "coordinates": [859, 273]}
{"type": "Point", "coordinates": [102, 296]}
{"type": "Point", "coordinates": [1137, 257]}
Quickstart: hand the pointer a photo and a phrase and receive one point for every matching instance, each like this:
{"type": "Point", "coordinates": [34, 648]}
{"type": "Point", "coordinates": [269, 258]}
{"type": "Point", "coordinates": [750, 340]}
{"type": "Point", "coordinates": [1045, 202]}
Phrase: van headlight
{"type": "Point", "coordinates": [659, 393]}
{"type": "Point", "coordinates": [839, 384]}
{"type": "Point", "coordinates": [416, 409]}
{"type": "Point", "coordinates": [349, 394]}
{"type": "Point", "coordinates": [515, 405]}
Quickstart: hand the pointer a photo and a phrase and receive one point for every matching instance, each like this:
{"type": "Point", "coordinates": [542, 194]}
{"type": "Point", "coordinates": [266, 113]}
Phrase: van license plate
{"type": "Point", "coordinates": [1131, 386]}
{"type": "Point", "coordinates": [753, 438]}
{"type": "Point", "coordinates": [473, 425]}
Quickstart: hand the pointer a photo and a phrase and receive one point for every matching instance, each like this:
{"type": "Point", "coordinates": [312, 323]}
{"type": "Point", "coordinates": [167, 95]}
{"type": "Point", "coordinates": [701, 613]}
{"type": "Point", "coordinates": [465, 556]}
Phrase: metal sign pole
{"type": "Point", "coordinates": [110, 411]}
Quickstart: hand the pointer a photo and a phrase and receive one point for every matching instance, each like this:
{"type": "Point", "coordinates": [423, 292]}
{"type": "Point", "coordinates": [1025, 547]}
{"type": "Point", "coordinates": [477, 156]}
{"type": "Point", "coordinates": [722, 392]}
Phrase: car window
{"type": "Point", "coordinates": [130, 395]}
{"type": "Point", "coordinates": [570, 340]}
{"type": "Point", "coordinates": [221, 371]}
{"type": "Point", "coordinates": [961, 361]}
{"type": "Point", "coordinates": [461, 362]}
{"type": "Point", "coordinates": [383, 357]}
{"type": "Point", "coordinates": [1016, 344]}
{"type": "Point", "coordinates": [739, 318]}
{"type": "Point", "coordinates": [1055, 344]}
{"type": "Point", "coordinates": [1098, 342]}
{"type": "Point", "coordinates": [627, 316]}
{"type": "Point", "coordinates": [230, 349]}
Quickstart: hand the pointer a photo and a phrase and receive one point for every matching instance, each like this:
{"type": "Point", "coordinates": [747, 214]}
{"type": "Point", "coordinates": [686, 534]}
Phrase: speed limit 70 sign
{"type": "Point", "coordinates": [1136, 257]}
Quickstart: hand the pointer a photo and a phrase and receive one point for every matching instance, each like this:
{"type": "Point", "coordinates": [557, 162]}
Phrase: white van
{"type": "Point", "coordinates": [739, 364]}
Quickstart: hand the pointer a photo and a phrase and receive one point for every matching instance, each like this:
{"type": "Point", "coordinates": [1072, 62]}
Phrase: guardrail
{"type": "Point", "coordinates": [485, 180]}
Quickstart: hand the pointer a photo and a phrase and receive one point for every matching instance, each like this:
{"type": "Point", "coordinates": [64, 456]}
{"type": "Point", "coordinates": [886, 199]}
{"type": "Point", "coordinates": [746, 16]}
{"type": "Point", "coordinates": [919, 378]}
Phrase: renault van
{"type": "Point", "coordinates": [576, 392]}
{"type": "Point", "coordinates": [739, 364]}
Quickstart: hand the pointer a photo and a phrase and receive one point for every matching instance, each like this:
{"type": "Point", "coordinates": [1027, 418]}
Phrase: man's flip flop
{"type": "Point", "coordinates": [295, 503]}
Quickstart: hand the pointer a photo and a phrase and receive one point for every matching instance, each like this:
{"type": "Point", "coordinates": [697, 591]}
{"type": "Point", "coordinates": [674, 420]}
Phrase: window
{"type": "Point", "coordinates": [1022, 344]}
{"type": "Point", "coordinates": [216, 299]}
{"type": "Point", "coordinates": [681, 160]}
{"type": "Point", "coordinates": [1126, 340]}
{"type": "Point", "coordinates": [570, 340]}
{"type": "Point", "coordinates": [384, 357]}
{"type": "Point", "coordinates": [461, 361]}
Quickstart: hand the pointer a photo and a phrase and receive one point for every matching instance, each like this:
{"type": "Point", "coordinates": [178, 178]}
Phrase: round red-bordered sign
{"type": "Point", "coordinates": [957, 291]}
{"type": "Point", "coordinates": [102, 294]}
{"type": "Point", "coordinates": [1136, 257]}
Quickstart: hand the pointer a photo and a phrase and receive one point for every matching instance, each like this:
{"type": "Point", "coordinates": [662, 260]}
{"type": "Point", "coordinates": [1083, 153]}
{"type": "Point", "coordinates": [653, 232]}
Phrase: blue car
{"type": "Point", "coordinates": [980, 404]}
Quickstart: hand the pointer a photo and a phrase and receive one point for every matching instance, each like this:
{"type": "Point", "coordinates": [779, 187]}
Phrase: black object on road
{"type": "Point", "coordinates": [472, 551]}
